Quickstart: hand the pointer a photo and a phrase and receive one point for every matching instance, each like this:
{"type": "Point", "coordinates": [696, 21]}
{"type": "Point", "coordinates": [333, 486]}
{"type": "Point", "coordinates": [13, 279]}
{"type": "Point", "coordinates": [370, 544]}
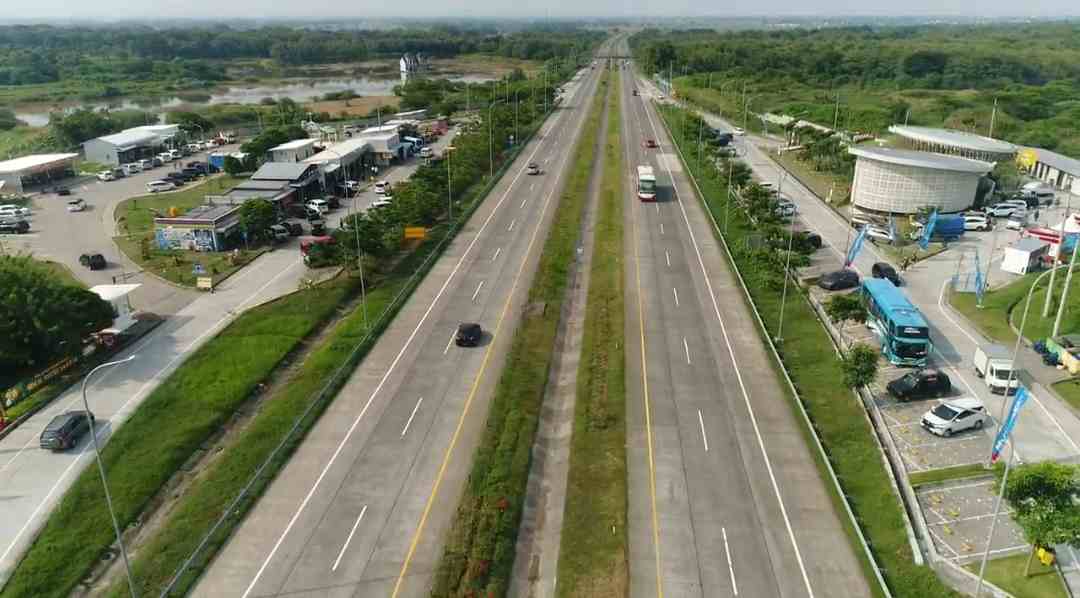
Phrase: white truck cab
{"type": "Point", "coordinates": [993, 363]}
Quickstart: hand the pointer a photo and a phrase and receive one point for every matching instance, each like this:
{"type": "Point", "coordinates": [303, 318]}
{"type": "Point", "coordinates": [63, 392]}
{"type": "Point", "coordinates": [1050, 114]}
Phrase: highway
{"type": "Point", "coordinates": [725, 497]}
{"type": "Point", "coordinates": [362, 507]}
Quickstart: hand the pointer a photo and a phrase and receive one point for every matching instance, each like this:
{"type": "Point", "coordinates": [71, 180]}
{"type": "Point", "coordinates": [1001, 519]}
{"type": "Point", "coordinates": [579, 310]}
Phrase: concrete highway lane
{"type": "Point", "coordinates": [725, 499]}
{"type": "Point", "coordinates": [363, 505]}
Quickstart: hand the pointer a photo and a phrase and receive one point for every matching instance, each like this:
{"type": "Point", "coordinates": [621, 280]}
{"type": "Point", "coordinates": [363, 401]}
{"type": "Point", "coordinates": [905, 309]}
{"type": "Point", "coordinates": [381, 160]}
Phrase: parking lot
{"type": "Point", "coordinates": [958, 516]}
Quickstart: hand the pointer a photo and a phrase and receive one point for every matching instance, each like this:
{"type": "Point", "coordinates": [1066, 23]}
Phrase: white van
{"type": "Point", "coordinates": [176, 154]}
{"type": "Point", "coordinates": [145, 164]}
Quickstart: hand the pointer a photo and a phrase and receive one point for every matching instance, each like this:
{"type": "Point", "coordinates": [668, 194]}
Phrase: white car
{"type": "Point", "coordinates": [145, 164]}
{"type": "Point", "coordinates": [106, 175]}
{"type": "Point", "coordinates": [957, 415]}
{"type": "Point", "coordinates": [165, 157]}
{"type": "Point", "coordinates": [739, 131]}
{"type": "Point", "coordinates": [1017, 221]}
{"type": "Point", "coordinates": [131, 168]}
{"type": "Point", "coordinates": [786, 209]}
{"type": "Point", "coordinates": [318, 205]}
{"type": "Point", "coordinates": [382, 188]}
{"type": "Point", "coordinates": [426, 152]}
{"type": "Point", "coordinates": [879, 233]}
{"type": "Point", "coordinates": [76, 205]}
{"type": "Point", "coordinates": [977, 222]}
{"type": "Point", "coordinates": [176, 154]}
{"type": "Point", "coordinates": [1001, 210]}
{"type": "Point", "coordinates": [352, 185]}
{"type": "Point", "coordinates": [382, 202]}
{"type": "Point", "coordinates": [12, 210]}
{"type": "Point", "coordinates": [156, 186]}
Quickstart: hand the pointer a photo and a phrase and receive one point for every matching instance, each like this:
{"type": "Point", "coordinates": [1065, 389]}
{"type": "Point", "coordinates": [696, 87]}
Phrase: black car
{"type": "Point", "coordinates": [193, 172]}
{"type": "Point", "coordinates": [62, 191]}
{"type": "Point", "coordinates": [839, 280]}
{"type": "Point", "coordinates": [920, 384]}
{"type": "Point", "coordinates": [14, 226]}
{"type": "Point", "coordinates": [175, 178]}
{"type": "Point", "coordinates": [295, 228]}
{"type": "Point", "coordinates": [65, 430]}
{"type": "Point", "coordinates": [468, 334]}
{"type": "Point", "coordinates": [333, 201]}
{"type": "Point", "coordinates": [94, 261]}
{"type": "Point", "coordinates": [886, 271]}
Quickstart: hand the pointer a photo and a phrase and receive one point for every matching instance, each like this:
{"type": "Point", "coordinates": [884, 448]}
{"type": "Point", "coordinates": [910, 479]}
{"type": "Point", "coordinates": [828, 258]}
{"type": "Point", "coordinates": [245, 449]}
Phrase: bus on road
{"type": "Point", "coordinates": [901, 327]}
{"type": "Point", "coordinates": [646, 183]}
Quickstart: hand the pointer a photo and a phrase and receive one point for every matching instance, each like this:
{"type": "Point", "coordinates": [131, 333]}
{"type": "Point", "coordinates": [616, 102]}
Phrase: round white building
{"type": "Point", "coordinates": [899, 181]}
{"type": "Point", "coordinates": [953, 142]}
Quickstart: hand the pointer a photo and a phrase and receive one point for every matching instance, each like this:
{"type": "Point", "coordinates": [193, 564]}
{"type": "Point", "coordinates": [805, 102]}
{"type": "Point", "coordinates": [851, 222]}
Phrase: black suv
{"type": "Point", "coordinates": [65, 430]}
{"type": "Point", "coordinates": [14, 226]}
{"type": "Point", "coordinates": [468, 334]}
{"type": "Point", "coordinates": [920, 384]}
{"type": "Point", "coordinates": [886, 271]}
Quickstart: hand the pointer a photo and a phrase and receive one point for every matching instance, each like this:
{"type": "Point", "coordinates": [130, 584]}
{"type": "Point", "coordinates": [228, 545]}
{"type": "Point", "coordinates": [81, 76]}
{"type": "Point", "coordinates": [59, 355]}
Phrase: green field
{"type": "Point", "coordinates": [593, 547]}
{"type": "Point", "coordinates": [1008, 574]}
{"type": "Point", "coordinates": [959, 472]}
{"type": "Point", "coordinates": [992, 318]}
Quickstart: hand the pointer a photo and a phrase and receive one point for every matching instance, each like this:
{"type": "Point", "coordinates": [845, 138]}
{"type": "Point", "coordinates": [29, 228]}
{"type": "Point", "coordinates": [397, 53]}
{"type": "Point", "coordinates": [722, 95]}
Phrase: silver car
{"type": "Point", "coordinates": [957, 415]}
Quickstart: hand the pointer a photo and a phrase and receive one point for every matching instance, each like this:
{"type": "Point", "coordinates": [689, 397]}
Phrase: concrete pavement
{"type": "Point", "coordinates": [362, 507]}
{"type": "Point", "coordinates": [725, 496]}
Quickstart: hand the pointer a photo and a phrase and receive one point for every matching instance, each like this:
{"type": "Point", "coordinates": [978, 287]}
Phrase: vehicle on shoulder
{"type": "Point", "coordinates": [158, 186]}
{"type": "Point", "coordinates": [839, 280]}
{"type": "Point", "coordinates": [13, 225]}
{"type": "Point", "coordinates": [955, 416]}
{"type": "Point", "coordinates": [76, 205]}
{"type": "Point", "coordinates": [886, 271]}
{"type": "Point", "coordinates": [920, 384]}
{"type": "Point", "coordinates": [532, 168]}
{"type": "Point", "coordinates": [14, 211]}
{"type": "Point", "coordinates": [468, 334]}
{"type": "Point", "coordinates": [64, 431]}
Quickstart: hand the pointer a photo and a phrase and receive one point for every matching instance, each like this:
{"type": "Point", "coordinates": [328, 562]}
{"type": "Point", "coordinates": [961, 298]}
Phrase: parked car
{"type": "Point", "coordinates": [879, 233]}
{"type": "Point", "coordinates": [193, 172]}
{"type": "Point", "coordinates": [977, 222]}
{"type": "Point", "coordinates": [279, 233]}
{"type": "Point", "coordinates": [739, 131]}
{"type": "Point", "coordinates": [195, 147]}
{"type": "Point", "coordinates": [649, 144]}
{"type": "Point", "coordinates": [106, 175]}
{"type": "Point", "coordinates": [93, 261]}
{"type": "Point", "coordinates": [76, 205]}
{"type": "Point", "coordinates": [785, 209]}
{"type": "Point", "coordinates": [886, 271]}
{"type": "Point", "coordinates": [318, 205]}
{"type": "Point", "coordinates": [468, 334]}
{"type": "Point", "coordinates": [635, 92]}
{"type": "Point", "coordinates": [1017, 221]}
{"type": "Point", "coordinates": [351, 185]}
{"type": "Point", "coordinates": [156, 186]}
{"type": "Point", "coordinates": [318, 226]}
{"type": "Point", "coordinates": [11, 210]}
{"type": "Point", "coordinates": [10, 225]}
{"type": "Point", "coordinates": [146, 164]}
{"type": "Point", "coordinates": [920, 384]}
{"type": "Point", "coordinates": [175, 178]}
{"type": "Point", "coordinates": [62, 191]}
{"type": "Point", "coordinates": [1001, 210]}
{"type": "Point", "coordinates": [164, 157]}
{"type": "Point", "coordinates": [839, 280]}
{"type": "Point", "coordinates": [176, 154]}
{"type": "Point", "coordinates": [532, 168]}
{"type": "Point", "coordinates": [295, 228]}
{"type": "Point", "coordinates": [426, 152]}
{"type": "Point", "coordinates": [131, 168]}
{"type": "Point", "coordinates": [64, 431]}
{"type": "Point", "coordinates": [957, 415]}
{"type": "Point", "coordinates": [382, 188]}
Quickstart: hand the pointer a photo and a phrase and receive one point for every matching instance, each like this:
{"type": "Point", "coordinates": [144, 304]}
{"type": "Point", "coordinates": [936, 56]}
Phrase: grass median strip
{"type": "Point", "coordinates": [479, 553]}
{"type": "Point", "coordinates": [593, 552]}
{"type": "Point", "coordinates": [838, 419]}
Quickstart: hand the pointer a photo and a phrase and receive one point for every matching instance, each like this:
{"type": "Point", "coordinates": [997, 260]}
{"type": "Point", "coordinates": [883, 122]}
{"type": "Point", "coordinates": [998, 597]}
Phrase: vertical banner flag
{"type": "Point", "coordinates": [928, 230]}
{"type": "Point", "coordinates": [1009, 423]}
{"type": "Point", "coordinates": [856, 245]}
{"type": "Point", "coordinates": [979, 283]}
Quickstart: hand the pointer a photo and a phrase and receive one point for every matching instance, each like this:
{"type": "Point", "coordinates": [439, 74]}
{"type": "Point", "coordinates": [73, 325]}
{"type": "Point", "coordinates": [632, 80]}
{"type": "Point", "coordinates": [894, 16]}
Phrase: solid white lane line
{"type": "Point", "coordinates": [738, 375]}
{"type": "Point", "coordinates": [667, 256]}
{"type": "Point", "coordinates": [704, 438]}
{"type": "Point", "coordinates": [453, 334]}
{"type": "Point", "coordinates": [405, 430]}
{"type": "Point", "coordinates": [477, 291]}
{"type": "Point", "coordinates": [356, 524]}
{"type": "Point", "coordinates": [496, 256]}
{"type": "Point", "coordinates": [386, 376]}
{"type": "Point", "coordinates": [730, 567]}
{"type": "Point", "coordinates": [661, 228]}
{"type": "Point", "coordinates": [675, 292]}
{"type": "Point", "coordinates": [512, 223]}
{"type": "Point", "coordinates": [687, 348]}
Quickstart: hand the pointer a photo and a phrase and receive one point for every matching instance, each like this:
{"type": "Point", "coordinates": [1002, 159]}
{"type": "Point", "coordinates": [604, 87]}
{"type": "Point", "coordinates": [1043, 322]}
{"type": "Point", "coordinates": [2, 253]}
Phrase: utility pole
{"type": "Point", "coordinates": [744, 105]}
{"type": "Point", "coordinates": [993, 114]}
{"type": "Point", "coordinates": [1050, 287]}
{"type": "Point", "coordinates": [836, 112]}
{"type": "Point", "coordinates": [1068, 281]}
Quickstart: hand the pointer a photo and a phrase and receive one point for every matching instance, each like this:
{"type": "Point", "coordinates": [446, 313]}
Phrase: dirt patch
{"type": "Point", "coordinates": [361, 106]}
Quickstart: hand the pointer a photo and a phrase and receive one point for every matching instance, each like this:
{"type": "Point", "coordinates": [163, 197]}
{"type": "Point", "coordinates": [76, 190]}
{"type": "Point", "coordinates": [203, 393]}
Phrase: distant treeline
{"type": "Point", "coordinates": [33, 54]}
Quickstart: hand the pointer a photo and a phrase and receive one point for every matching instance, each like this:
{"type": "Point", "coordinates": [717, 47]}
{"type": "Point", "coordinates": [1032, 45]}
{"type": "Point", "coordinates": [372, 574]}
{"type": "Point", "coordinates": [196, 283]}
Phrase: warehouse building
{"type": "Point", "coordinates": [898, 181]}
{"type": "Point", "coordinates": [954, 143]}
{"type": "Point", "coordinates": [350, 159]}
{"type": "Point", "coordinates": [19, 174]}
{"type": "Point", "coordinates": [130, 145]}
{"type": "Point", "coordinates": [297, 150]}
{"type": "Point", "coordinates": [1052, 168]}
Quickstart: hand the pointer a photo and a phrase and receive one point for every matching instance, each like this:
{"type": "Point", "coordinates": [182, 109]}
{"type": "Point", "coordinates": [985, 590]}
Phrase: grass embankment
{"type": "Point", "coordinates": [993, 318]}
{"type": "Point", "coordinates": [1070, 391]}
{"type": "Point", "coordinates": [947, 474]}
{"type": "Point", "coordinates": [1008, 574]}
{"type": "Point", "coordinates": [135, 218]}
{"type": "Point", "coordinates": [592, 552]}
{"type": "Point", "coordinates": [479, 553]}
{"type": "Point", "coordinates": [162, 434]}
{"type": "Point", "coordinates": [838, 418]}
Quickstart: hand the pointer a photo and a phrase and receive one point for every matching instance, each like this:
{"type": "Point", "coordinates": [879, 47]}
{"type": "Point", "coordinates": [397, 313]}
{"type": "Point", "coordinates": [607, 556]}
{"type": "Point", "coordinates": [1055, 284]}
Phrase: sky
{"type": "Point", "coordinates": [111, 10]}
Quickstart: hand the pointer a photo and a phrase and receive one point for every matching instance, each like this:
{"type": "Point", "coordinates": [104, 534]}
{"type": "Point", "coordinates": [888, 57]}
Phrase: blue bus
{"type": "Point", "coordinates": [904, 333]}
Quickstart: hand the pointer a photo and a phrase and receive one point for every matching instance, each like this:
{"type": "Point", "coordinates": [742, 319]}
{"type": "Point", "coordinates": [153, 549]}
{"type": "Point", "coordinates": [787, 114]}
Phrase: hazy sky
{"type": "Point", "coordinates": [210, 9]}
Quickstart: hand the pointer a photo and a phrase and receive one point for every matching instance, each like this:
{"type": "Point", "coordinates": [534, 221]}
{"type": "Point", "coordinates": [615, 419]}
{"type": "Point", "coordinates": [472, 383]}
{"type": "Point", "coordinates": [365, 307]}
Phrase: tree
{"type": "Point", "coordinates": [41, 318]}
{"type": "Point", "coordinates": [860, 365]}
{"type": "Point", "coordinates": [845, 308]}
{"type": "Point", "coordinates": [256, 216]}
{"type": "Point", "coordinates": [191, 122]}
{"type": "Point", "coordinates": [1044, 496]}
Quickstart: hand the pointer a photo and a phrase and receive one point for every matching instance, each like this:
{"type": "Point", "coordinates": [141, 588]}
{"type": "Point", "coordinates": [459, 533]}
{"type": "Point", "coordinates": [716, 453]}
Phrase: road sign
{"type": "Point", "coordinates": [1010, 422]}
{"type": "Point", "coordinates": [415, 232]}
{"type": "Point", "coordinates": [204, 282]}
{"type": "Point", "coordinates": [198, 270]}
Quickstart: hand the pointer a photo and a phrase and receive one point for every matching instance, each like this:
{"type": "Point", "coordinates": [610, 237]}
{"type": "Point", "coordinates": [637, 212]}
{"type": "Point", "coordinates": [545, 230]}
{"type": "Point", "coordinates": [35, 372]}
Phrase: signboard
{"type": "Point", "coordinates": [205, 282]}
{"type": "Point", "coordinates": [1010, 422]}
{"type": "Point", "coordinates": [1027, 158]}
{"type": "Point", "coordinates": [415, 232]}
{"type": "Point", "coordinates": [198, 270]}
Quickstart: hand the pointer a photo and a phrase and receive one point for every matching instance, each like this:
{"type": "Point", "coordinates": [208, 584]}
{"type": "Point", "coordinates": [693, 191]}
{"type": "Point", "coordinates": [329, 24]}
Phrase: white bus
{"type": "Point", "coordinates": [646, 183]}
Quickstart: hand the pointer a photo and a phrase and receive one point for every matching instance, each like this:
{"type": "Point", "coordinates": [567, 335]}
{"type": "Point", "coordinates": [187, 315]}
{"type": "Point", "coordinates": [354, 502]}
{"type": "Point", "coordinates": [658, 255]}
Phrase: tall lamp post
{"type": "Point", "coordinates": [356, 231]}
{"type": "Point", "coordinates": [491, 139]}
{"type": "Point", "coordinates": [101, 470]}
{"type": "Point", "coordinates": [449, 187]}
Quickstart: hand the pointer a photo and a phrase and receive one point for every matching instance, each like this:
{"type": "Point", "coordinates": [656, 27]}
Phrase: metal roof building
{"type": "Point", "coordinates": [1055, 169]}
{"type": "Point", "coordinates": [956, 143]}
{"type": "Point", "coordinates": [25, 171]}
{"type": "Point", "coordinates": [899, 181]}
{"type": "Point", "coordinates": [293, 151]}
{"type": "Point", "coordinates": [129, 145]}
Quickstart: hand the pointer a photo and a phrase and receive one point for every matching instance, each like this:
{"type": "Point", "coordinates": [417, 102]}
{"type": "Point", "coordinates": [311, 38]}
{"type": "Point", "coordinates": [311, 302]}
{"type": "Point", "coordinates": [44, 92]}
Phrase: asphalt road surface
{"type": "Point", "coordinates": [362, 507]}
{"type": "Point", "coordinates": [725, 497]}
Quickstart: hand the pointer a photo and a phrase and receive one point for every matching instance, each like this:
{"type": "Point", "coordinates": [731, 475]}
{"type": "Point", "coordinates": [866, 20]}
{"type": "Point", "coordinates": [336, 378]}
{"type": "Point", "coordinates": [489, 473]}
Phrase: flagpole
{"type": "Point", "coordinates": [993, 522]}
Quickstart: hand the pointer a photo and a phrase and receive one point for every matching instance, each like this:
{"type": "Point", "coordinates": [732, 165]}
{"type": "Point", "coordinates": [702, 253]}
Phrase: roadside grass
{"type": "Point", "coordinates": [1008, 574]}
{"type": "Point", "coordinates": [947, 474]}
{"type": "Point", "coordinates": [62, 272]}
{"type": "Point", "coordinates": [136, 215]}
{"type": "Point", "coordinates": [821, 183]}
{"type": "Point", "coordinates": [479, 553]}
{"type": "Point", "coordinates": [838, 418]}
{"type": "Point", "coordinates": [162, 434]}
{"type": "Point", "coordinates": [178, 266]}
{"type": "Point", "coordinates": [1070, 391]}
{"type": "Point", "coordinates": [993, 318]}
{"type": "Point", "coordinates": [593, 547]}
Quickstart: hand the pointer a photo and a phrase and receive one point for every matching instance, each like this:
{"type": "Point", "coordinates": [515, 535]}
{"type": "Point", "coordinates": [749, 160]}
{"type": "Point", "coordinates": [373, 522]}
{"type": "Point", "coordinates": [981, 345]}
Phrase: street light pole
{"type": "Point", "coordinates": [1050, 289]}
{"type": "Point", "coordinates": [491, 140]}
{"type": "Point", "coordinates": [449, 187]}
{"type": "Point", "coordinates": [359, 254]}
{"type": "Point", "coordinates": [1068, 281]}
{"type": "Point", "coordinates": [101, 470]}
{"type": "Point", "coordinates": [787, 265]}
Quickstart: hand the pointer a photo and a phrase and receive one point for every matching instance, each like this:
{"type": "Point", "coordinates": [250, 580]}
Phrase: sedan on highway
{"type": "Point", "coordinates": [468, 334]}
{"type": "Point", "coordinates": [532, 168]}
{"type": "Point", "coordinates": [649, 144]}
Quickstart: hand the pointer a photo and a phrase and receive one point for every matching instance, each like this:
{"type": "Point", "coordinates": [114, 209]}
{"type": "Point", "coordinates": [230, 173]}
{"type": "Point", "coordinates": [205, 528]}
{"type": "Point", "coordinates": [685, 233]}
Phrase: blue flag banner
{"type": "Point", "coordinates": [1007, 426]}
{"type": "Point", "coordinates": [856, 245]}
{"type": "Point", "coordinates": [928, 230]}
{"type": "Point", "coordinates": [979, 282]}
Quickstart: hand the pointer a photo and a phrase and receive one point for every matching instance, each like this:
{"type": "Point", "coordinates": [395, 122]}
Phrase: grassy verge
{"type": "Point", "coordinates": [993, 318]}
{"type": "Point", "coordinates": [1008, 574]}
{"type": "Point", "coordinates": [823, 184]}
{"type": "Point", "coordinates": [593, 550]}
{"type": "Point", "coordinates": [838, 419]}
{"type": "Point", "coordinates": [63, 273]}
{"type": "Point", "coordinates": [479, 552]}
{"type": "Point", "coordinates": [1070, 391]}
{"type": "Point", "coordinates": [947, 474]}
{"type": "Point", "coordinates": [184, 411]}
{"type": "Point", "coordinates": [136, 215]}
